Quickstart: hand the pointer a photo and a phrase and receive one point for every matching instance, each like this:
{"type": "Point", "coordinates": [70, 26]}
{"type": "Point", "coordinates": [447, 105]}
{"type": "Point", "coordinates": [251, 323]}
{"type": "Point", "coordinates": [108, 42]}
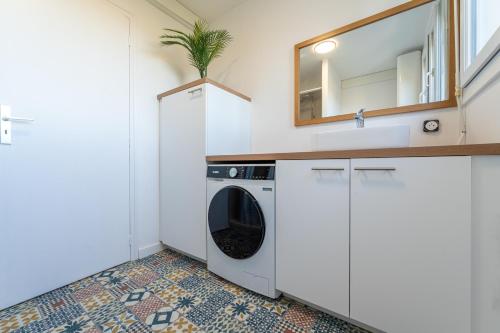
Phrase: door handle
{"type": "Point", "coordinates": [18, 119]}
{"type": "Point", "coordinates": [6, 124]}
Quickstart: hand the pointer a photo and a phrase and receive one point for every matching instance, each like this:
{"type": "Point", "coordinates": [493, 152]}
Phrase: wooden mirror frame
{"type": "Point", "coordinates": [450, 102]}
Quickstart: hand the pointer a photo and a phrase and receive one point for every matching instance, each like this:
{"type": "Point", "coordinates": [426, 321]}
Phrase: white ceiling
{"type": "Point", "coordinates": [210, 9]}
{"type": "Point", "coordinates": [375, 47]}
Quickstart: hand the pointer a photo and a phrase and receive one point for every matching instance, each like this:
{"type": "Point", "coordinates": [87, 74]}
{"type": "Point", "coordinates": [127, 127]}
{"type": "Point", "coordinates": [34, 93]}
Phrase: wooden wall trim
{"type": "Point", "coordinates": [202, 81]}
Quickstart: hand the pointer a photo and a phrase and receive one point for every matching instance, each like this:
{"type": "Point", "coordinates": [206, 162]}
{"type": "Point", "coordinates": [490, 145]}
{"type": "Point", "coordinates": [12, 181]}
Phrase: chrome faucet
{"type": "Point", "coordinates": [360, 118]}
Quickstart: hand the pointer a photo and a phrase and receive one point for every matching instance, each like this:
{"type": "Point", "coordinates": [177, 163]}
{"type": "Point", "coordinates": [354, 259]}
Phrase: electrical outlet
{"type": "Point", "coordinates": [431, 125]}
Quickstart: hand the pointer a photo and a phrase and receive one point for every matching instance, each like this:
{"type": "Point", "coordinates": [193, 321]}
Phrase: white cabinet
{"type": "Point", "coordinates": [312, 232]}
{"type": "Point", "coordinates": [384, 241]}
{"type": "Point", "coordinates": [410, 244]}
{"type": "Point", "coordinates": [199, 121]}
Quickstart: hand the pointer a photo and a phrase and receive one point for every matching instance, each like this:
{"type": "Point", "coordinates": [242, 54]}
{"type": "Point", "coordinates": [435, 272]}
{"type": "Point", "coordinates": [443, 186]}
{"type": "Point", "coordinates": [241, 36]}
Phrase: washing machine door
{"type": "Point", "coordinates": [236, 222]}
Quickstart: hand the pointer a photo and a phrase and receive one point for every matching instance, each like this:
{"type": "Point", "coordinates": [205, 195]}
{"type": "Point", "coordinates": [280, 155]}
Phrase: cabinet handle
{"type": "Point", "coordinates": [194, 90]}
{"type": "Point", "coordinates": [327, 169]}
{"type": "Point", "coordinates": [375, 169]}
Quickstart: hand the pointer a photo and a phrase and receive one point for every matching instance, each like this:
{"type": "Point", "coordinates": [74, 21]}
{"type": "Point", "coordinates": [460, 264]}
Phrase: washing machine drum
{"type": "Point", "coordinates": [236, 222]}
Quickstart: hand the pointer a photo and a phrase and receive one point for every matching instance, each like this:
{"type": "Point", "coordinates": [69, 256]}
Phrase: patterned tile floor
{"type": "Point", "coordinates": [165, 292]}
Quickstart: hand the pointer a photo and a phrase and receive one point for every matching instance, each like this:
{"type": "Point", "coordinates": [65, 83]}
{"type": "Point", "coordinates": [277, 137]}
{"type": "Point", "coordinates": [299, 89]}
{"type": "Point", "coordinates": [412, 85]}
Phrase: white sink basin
{"type": "Point", "coordinates": [363, 138]}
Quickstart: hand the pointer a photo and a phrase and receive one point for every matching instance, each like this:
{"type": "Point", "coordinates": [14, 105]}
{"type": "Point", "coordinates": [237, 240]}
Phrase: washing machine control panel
{"type": "Point", "coordinates": [250, 172]}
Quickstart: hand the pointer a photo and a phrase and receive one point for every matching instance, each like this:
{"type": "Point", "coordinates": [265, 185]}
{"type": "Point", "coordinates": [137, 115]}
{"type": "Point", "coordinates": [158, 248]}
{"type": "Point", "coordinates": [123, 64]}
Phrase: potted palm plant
{"type": "Point", "coordinates": [203, 44]}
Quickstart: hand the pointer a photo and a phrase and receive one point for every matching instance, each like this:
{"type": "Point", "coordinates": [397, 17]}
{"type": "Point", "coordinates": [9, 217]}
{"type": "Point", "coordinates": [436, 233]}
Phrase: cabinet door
{"type": "Point", "coordinates": [410, 244]}
{"type": "Point", "coordinates": [183, 171]}
{"type": "Point", "coordinates": [312, 232]}
{"type": "Point", "coordinates": [228, 122]}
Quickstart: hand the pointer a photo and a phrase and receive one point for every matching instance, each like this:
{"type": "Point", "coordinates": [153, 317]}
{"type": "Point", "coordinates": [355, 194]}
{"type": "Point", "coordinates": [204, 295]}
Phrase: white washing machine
{"type": "Point", "coordinates": [241, 225]}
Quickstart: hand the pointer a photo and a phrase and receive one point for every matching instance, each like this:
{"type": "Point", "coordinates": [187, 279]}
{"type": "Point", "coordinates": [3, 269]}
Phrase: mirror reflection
{"type": "Point", "coordinates": [398, 61]}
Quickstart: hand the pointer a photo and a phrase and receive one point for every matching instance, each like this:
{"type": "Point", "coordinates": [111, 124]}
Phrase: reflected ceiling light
{"type": "Point", "coordinates": [325, 47]}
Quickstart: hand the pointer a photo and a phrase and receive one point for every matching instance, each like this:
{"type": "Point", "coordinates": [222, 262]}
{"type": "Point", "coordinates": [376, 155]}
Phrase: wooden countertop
{"type": "Point", "coordinates": [456, 150]}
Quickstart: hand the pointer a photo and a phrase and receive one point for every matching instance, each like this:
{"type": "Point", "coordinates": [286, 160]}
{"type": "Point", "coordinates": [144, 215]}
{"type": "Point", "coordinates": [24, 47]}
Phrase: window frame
{"type": "Point", "coordinates": [470, 64]}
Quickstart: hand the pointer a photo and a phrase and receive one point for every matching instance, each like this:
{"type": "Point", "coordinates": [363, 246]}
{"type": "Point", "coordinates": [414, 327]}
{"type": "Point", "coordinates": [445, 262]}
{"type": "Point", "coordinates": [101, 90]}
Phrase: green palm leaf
{"type": "Point", "coordinates": [203, 45]}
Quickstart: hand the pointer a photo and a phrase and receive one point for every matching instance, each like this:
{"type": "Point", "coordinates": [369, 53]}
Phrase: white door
{"type": "Point", "coordinates": [410, 244]}
{"type": "Point", "coordinates": [183, 171]}
{"type": "Point", "coordinates": [312, 232]}
{"type": "Point", "coordinates": [64, 181]}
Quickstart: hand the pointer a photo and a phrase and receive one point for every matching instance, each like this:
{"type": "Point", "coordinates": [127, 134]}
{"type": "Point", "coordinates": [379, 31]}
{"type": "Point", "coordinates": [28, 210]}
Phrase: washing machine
{"type": "Point", "coordinates": [241, 225]}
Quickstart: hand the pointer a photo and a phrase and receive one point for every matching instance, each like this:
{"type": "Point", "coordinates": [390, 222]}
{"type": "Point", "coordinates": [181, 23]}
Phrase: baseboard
{"type": "Point", "coordinates": [150, 249]}
{"type": "Point", "coordinates": [184, 253]}
{"type": "Point", "coordinates": [334, 314]}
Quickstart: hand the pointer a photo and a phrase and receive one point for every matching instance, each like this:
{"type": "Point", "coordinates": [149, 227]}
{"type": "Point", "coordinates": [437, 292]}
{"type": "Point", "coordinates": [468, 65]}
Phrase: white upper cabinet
{"type": "Point", "coordinates": [199, 121]}
{"type": "Point", "coordinates": [312, 232]}
{"type": "Point", "coordinates": [410, 244]}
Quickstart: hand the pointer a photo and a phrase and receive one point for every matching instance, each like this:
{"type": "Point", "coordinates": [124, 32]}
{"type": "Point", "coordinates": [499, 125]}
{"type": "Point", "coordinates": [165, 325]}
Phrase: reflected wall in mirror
{"type": "Point", "coordinates": [400, 60]}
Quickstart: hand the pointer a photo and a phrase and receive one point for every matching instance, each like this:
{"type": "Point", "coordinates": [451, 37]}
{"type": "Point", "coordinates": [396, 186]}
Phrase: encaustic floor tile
{"type": "Point", "coordinates": [165, 292]}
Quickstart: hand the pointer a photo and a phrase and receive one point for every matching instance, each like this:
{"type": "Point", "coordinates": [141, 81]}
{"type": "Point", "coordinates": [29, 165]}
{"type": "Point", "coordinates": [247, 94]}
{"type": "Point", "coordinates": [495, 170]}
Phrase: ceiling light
{"type": "Point", "coordinates": [325, 47]}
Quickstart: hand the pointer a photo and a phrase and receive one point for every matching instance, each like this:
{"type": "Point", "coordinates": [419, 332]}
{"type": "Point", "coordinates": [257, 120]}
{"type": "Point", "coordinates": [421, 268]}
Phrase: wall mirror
{"type": "Point", "coordinates": [400, 60]}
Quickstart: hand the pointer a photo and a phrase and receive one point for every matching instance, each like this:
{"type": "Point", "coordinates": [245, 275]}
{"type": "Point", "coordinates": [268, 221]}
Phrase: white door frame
{"type": "Point", "coordinates": [132, 231]}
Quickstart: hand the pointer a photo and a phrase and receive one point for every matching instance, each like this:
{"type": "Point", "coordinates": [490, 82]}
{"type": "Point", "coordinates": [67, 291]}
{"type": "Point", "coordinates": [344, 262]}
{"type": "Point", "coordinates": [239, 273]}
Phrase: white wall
{"type": "Point", "coordinates": [370, 92]}
{"type": "Point", "coordinates": [482, 105]}
{"type": "Point", "coordinates": [259, 63]}
{"type": "Point", "coordinates": [155, 69]}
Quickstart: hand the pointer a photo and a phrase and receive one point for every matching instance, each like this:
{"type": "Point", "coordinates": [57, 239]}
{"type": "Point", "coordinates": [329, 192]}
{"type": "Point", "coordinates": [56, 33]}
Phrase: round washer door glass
{"type": "Point", "coordinates": [236, 222]}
